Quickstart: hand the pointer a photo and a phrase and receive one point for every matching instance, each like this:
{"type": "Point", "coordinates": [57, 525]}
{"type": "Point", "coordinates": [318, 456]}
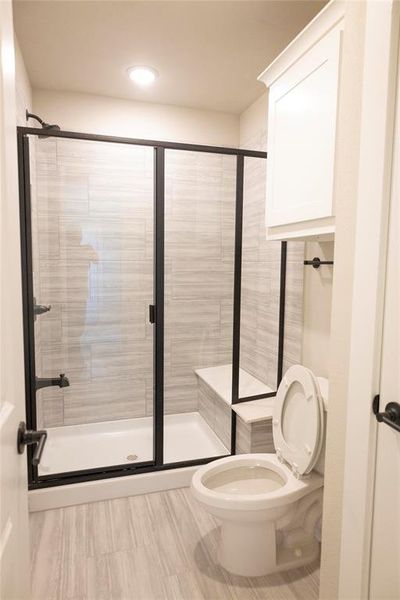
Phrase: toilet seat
{"type": "Point", "coordinates": [298, 420]}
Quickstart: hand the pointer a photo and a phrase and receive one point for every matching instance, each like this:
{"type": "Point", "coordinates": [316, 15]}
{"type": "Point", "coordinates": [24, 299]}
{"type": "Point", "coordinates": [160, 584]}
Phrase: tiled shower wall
{"type": "Point", "coordinates": [92, 215]}
{"type": "Point", "coordinates": [92, 221]}
{"type": "Point", "coordinates": [199, 261]}
{"type": "Point", "coordinates": [261, 281]}
{"type": "Point", "coordinates": [260, 309]}
{"type": "Point", "coordinates": [93, 206]}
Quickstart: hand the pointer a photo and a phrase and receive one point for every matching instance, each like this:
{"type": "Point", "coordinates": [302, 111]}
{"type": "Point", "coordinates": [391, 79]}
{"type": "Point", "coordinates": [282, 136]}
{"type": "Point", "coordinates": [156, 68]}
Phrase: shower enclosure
{"type": "Point", "coordinates": [139, 276]}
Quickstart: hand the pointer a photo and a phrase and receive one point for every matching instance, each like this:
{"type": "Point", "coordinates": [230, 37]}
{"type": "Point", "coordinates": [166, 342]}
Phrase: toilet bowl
{"type": "Point", "coordinates": [269, 505]}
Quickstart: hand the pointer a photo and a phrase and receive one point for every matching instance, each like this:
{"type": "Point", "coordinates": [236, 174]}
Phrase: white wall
{"type": "Point", "coordinates": [346, 184]}
{"type": "Point", "coordinates": [23, 89]}
{"type": "Point", "coordinates": [253, 122]}
{"type": "Point", "coordinates": [14, 526]}
{"type": "Point", "coordinates": [327, 290]}
{"type": "Point", "coordinates": [317, 304]}
{"type": "Point", "coordinates": [111, 116]}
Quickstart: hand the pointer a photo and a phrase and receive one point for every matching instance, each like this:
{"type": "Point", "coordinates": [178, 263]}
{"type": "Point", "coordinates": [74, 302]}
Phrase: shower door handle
{"type": "Point", "coordinates": [27, 437]}
{"type": "Point", "coordinates": [152, 313]}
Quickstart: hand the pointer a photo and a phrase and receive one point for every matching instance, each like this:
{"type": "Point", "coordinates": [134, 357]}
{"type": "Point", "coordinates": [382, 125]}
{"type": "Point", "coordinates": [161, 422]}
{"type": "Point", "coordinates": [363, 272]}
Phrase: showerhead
{"type": "Point", "coordinates": [48, 126]}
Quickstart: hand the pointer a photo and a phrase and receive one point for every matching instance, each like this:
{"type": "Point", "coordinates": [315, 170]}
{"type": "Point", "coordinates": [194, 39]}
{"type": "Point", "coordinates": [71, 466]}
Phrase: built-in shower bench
{"type": "Point", "coordinates": [254, 425]}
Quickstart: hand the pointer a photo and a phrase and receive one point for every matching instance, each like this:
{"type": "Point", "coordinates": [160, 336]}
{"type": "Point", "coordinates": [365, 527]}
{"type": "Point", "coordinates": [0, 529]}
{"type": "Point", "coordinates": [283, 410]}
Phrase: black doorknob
{"type": "Point", "coordinates": [27, 437]}
{"type": "Point", "coordinates": [390, 416]}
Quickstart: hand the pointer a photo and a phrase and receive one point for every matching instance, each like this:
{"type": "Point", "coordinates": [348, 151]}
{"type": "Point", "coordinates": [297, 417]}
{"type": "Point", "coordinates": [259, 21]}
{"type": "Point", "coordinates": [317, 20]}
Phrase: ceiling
{"type": "Point", "coordinates": [208, 53]}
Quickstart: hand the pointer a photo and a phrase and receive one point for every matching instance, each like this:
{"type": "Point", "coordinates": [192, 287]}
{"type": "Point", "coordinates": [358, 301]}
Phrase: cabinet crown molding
{"type": "Point", "coordinates": [325, 20]}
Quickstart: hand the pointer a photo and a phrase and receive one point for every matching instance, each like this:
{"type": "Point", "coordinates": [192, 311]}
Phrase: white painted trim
{"type": "Point", "coordinates": [6, 411]}
{"type": "Point", "coordinates": [376, 143]}
{"type": "Point", "coordinates": [5, 536]}
{"type": "Point", "coordinates": [106, 489]}
{"type": "Point", "coordinates": [323, 233]}
{"type": "Point", "coordinates": [321, 24]}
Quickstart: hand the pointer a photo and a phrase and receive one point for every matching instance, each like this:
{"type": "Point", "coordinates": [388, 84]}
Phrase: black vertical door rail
{"type": "Point", "coordinates": [158, 373]}
{"type": "Point", "coordinates": [24, 184]}
{"type": "Point", "coordinates": [237, 287]}
{"type": "Point", "coordinates": [282, 305]}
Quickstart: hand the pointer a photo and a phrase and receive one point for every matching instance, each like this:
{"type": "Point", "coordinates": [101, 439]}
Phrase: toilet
{"type": "Point", "coordinates": [270, 505]}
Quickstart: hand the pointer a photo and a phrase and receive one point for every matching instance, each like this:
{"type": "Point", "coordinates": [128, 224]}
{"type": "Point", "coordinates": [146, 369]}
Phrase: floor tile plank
{"type": "Point", "coordinates": [160, 546]}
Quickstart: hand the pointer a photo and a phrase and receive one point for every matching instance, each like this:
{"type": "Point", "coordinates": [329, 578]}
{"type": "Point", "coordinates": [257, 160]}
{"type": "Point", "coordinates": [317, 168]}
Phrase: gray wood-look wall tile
{"type": "Point", "coordinates": [261, 280]}
{"type": "Point", "coordinates": [199, 207]}
{"type": "Point", "coordinates": [250, 437]}
{"type": "Point", "coordinates": [92, 240]}
{"type": "Point", "coordinates": [93, 205]}
{"type": "Point", "coordinates": [215, 412]}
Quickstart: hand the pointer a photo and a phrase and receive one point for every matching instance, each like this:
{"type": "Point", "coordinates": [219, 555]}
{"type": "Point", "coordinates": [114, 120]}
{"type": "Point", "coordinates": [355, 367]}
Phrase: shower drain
{"type": "Point", "coordinates": [131, 457]}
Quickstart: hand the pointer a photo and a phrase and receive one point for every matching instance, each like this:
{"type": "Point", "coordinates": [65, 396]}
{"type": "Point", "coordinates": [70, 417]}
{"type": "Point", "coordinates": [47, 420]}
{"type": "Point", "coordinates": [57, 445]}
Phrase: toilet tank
{"type": "Point", "coordinates": [324, 390]}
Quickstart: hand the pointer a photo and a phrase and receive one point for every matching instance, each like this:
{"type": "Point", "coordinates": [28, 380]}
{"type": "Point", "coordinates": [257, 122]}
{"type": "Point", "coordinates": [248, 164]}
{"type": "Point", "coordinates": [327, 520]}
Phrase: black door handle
{"type": "Point", "coordinates": [27, 437]}
{"type": "Point", "coordinates": [391, 414]}
{"type": "Point", "coordinates": [152, 313]}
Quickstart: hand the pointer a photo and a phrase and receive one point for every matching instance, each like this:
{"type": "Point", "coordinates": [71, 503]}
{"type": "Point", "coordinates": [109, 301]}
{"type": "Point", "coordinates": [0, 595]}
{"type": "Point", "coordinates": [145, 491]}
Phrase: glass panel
{"type": "Point", "coordinates": [295, 271]}
{"type": "Point", "coordinates": [199, 264]}
{"type": "Point", "coordinates": [259, 325]}
{"type": "Point", "coordinates": [92, 250]}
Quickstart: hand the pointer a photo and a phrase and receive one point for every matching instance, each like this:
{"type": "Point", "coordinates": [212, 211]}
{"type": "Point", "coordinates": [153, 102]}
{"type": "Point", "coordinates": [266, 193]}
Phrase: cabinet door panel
{"type": "Point", "coordinates": [302, 131]}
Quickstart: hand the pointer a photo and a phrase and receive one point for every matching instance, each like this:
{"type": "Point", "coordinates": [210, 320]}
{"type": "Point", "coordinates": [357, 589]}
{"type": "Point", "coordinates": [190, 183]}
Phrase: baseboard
{"type": "Point", "coordinates": [107, 489]}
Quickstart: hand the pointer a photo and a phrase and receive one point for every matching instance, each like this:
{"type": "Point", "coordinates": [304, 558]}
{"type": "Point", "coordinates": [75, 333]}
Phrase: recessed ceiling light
{"type": "Point", "coordinates": [142, 75]}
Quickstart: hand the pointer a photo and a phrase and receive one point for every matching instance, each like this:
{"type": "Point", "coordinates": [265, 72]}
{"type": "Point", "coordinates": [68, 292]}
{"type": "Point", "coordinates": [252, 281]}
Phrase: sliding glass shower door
{"type": "Point", "coordinates": [91, 253]}
{"type": "Point", "coordinates": [200, 201]}
{"type": "Point", "coordinates": [132, 279]}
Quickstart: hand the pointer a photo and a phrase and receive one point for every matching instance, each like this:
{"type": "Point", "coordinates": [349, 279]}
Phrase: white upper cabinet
{"type": "Point", "coordinates": [303, 85]}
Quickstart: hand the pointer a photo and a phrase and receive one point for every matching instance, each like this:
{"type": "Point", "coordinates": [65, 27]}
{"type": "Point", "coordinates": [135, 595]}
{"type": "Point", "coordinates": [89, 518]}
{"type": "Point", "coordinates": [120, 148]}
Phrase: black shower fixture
{"type": "Point", "coordinates": [42, 123]}
{"type": "Point", "coordinates": [61, 382]}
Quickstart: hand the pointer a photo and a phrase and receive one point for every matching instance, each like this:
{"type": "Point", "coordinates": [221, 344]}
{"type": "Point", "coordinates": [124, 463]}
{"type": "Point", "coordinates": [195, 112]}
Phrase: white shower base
{"type": "Point", "coordinates": [76, 447]}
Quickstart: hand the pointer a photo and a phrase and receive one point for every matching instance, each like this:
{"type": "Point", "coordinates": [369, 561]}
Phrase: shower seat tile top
{"type": "Point", "coordinates": [220, 381]}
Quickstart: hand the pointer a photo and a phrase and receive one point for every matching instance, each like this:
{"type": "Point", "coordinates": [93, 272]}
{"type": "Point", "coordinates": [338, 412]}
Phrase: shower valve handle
{"type": "Point", "coordinates": [40, 309]}
{"type": "Point", "coordinates": [27, 437]}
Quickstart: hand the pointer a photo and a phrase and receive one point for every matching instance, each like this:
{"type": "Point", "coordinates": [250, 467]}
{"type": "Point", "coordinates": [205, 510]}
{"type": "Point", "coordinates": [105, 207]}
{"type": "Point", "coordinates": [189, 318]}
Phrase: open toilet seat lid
{"type": "Point", "coordinates": [298, 420]}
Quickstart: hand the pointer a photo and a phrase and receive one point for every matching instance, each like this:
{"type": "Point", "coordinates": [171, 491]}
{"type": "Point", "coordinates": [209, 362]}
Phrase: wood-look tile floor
{"type": "Point", "coordinates": [155, 546]}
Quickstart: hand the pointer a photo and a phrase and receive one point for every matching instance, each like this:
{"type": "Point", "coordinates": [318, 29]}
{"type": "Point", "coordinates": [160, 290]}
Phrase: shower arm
{"type": "Point", "coordinates": [35, 117]}
{"type": "Point", "coordinates": [40, 121]}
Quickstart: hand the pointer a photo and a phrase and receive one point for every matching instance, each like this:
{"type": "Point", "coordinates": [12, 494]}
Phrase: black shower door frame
{"type": "Point", "coordinates": [159, 147]}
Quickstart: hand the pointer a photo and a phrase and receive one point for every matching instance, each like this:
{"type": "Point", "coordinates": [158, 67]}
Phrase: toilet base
{"type": "Point", "coordinates": [250, 550]}
{"type": "Point", "coordinates": [263, 530]}
{"type": "Point", "coordinates": [247, 549]}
